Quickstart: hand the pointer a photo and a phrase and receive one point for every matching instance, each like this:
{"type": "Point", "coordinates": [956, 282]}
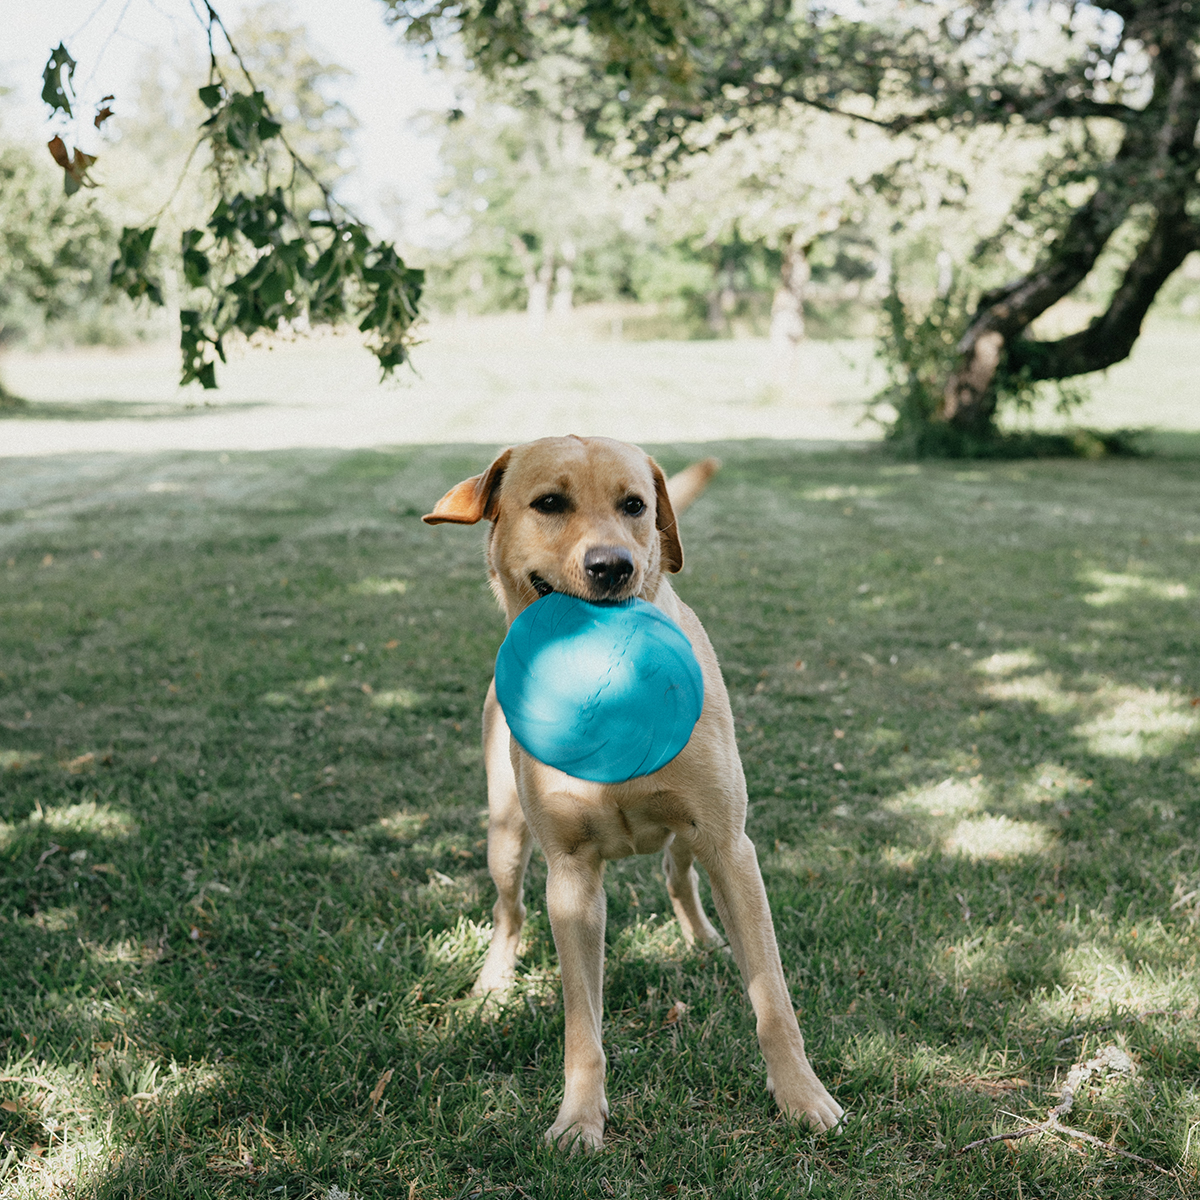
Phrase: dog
{"type": "Point", "coordinates": [595, 518]}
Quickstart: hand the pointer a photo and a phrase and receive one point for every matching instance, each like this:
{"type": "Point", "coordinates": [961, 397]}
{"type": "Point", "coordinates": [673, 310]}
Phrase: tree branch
{"type": "Point", "coordinates": [1114, 1060]}
{"type": "Point", "coordinates": [1111, 336]}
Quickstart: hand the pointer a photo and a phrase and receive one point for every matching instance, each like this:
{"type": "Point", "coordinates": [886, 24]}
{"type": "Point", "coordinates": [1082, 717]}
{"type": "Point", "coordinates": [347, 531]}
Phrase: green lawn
{"type": "Point", "coordinates": [242, 878]}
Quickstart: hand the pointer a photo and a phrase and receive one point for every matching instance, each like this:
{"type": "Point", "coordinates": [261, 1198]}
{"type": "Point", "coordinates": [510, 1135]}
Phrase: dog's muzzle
{"type": "Point", "coordinates": [608, 568]}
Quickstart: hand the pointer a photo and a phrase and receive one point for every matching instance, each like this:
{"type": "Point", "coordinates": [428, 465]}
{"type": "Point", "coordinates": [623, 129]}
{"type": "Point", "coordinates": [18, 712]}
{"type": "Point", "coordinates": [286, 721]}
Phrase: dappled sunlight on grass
{"type": "Point", "coordinates": [86, 819]}
{"type": "Point", "coordinates": [883, 1065]}
{"type": "Point", "coordinates": [655, 939]}
{"type": "Point", "coordinates": [69, 1111]}
{"type": "Point", "coordinates": [14, 760]}
{"type": "Point", "coordinates": [374, 586]}
{"type": "Point", "coordinates": [1102, 978]}
{"type": "Point", "coordinates": [454, 956]}
{"type": "Point", "coordinates": [852, 492]}
{"type": "Point", "coordinates": [1044, 690]}
{"type": "Point", "coordinates": [1129, 722]}
{"type": "Point", "coordinates": [952, 816]}
{"type": "Point", "coordinates": [946, 799]}
{"type": "Point", "coordinates": [1139, 722]}
{"type": "Point", "coordinates": [396, 698]}
{"type": "Point", "coordinates": [57, 919]}
{"type": "Point", "coordinates": [1007, 662]}
{"type": "Point", "coordinates": [992, 837]}
{"type": "Point", "coordinates": [1116, 589]}
{"type": "Point", "coordinates": [404, 825]}
{"type": "Point", "coordinates": [1054, 783]}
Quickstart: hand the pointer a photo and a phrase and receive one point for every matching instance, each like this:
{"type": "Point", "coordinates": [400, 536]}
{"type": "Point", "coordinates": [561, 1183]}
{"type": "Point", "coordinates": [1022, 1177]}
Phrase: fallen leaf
{"type": "Point", "coordinates": [102, 114]}
{"type": "Point", "coordinates": [106, 869]}
{"type": "Point", "coordinates": [76, 765]}
{"type": "Point", "coordinates": [676, 1011]}
{"type": "Point", "coordinates": [377, 1090]}
{"type": "Point", "coordinates": [10, 1106]}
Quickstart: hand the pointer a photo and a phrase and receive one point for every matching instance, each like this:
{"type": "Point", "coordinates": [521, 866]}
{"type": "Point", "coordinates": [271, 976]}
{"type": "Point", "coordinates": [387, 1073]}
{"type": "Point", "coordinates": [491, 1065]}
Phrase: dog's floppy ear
{"type": "Point", "coordinates": [664, 520]}
{"type": "Point", "coordinates": [472, 500]}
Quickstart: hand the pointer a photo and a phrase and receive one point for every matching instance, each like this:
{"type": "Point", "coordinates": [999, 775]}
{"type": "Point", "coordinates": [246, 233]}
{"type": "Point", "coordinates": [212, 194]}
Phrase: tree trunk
{"type": "Point", "coordinates": [787, 309]}
{"type": "Point", "coordinates": [564, 282]}
{"type": "Point", "coordinates": [1155, 167]}
{"type": "Point", "coordinates": [537, 283]}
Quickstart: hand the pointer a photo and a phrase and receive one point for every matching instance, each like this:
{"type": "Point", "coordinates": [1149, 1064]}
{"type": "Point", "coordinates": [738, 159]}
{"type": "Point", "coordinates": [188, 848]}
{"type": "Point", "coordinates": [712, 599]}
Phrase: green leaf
{"type": "Point", "coordinates": [57, 78]}
{"type": "Point", "coordinates": [130, 271]}
{"type": "Point", "coordinates": [194, 342]}
{"type": "Point", "coordinates": [210, 96]}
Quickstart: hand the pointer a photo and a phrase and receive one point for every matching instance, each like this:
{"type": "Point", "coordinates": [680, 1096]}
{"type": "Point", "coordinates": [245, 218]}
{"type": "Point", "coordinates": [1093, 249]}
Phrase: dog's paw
{"type": "Point", "coordinates": [494, 981]}
{"type": "Point", "coordinates": [577, 1132]}
{"type": "Point", "coordinates": [808, 1101]}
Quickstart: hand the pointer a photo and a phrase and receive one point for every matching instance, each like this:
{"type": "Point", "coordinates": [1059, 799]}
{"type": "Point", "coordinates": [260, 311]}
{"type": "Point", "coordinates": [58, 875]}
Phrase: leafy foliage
{"type": "Point", "coordinates": [277, 250]}
{"type": "Point", "coordinates": [1116, 84]}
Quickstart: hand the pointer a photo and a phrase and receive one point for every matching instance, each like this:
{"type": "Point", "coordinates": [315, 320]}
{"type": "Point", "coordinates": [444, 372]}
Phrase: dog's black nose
{"type": "Point", "coordinates": [608, 567]}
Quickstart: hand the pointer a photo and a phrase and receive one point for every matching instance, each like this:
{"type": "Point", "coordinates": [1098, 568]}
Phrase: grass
{"type": "Point", "coordinates": [242, 876]}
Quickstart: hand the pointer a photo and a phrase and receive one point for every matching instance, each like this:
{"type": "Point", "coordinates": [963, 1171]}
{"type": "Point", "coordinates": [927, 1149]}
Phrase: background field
{"type": "Point", "coordinates": [489, 380]}
{"type": "Point", "coordinates": [242, 879]}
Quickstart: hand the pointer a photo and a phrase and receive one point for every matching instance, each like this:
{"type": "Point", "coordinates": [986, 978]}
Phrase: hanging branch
{"type": "Point", "coordinates": [262, 262]}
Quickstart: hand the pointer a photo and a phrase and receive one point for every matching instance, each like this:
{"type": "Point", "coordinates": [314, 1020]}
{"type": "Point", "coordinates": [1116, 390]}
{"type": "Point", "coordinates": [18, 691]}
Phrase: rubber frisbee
{"type": "Point", "coordinates": [604, 692]}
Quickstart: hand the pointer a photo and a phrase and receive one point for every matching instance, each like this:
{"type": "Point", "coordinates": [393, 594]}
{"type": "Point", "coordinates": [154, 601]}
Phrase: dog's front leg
{"type": "Point", "coordinates": [509, 847]}
{"type": "Point", "coordinates": [741, 901]}
{"type": "Point", "coordinates": [575, 900]}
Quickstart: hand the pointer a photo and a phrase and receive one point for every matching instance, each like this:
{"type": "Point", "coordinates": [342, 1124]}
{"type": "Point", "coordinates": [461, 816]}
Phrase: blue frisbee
{"type": "Point", "coordinates": [604, 692]}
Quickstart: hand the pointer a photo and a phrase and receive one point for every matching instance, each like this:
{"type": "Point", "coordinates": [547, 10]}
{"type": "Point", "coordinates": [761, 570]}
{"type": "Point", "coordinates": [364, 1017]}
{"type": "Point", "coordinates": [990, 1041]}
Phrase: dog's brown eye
{"type": "Point", "coordinates": [552, 502]}
{"type": "Point", "coordinates": [634, 506]}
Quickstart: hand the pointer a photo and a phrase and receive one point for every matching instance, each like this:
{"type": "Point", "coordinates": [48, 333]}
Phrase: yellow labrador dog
{"type": "Point", "coordinates": [596, 519]}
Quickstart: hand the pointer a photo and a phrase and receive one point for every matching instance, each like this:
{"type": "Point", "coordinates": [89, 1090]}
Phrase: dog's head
{"type": "Point", "coordinates": [585, 516]}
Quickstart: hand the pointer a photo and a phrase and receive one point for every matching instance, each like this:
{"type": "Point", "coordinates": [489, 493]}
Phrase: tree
{"type": "Point", "coordinates": [1114, 86]}
{"type": "Point", "coordinates": [277, 249]}
{"type": "Point", "coordinates": [534, 212]}
{"type": "Point", "coordinates": [793, 182]}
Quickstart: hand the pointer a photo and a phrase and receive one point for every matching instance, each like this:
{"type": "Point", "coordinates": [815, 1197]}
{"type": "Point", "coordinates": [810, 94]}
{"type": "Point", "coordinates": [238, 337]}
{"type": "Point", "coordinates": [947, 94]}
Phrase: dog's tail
{"type": "Point", "coordinates": [689, 483]}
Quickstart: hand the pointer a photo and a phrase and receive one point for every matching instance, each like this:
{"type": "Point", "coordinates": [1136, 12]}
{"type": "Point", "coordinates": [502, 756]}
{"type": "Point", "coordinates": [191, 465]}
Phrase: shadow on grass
{"type": "Point", "coordinates": [105, 410]}
{"type": "Point", "coordinates": [242, 868]}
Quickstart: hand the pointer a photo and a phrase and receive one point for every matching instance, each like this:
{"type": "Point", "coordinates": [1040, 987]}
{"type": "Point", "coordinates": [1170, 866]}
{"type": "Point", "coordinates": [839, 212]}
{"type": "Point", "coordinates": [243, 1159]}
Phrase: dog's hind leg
{"type": "Point", "coordinates": [509, 847]}
{"type": "Point", "coordinates": [683, 886]}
